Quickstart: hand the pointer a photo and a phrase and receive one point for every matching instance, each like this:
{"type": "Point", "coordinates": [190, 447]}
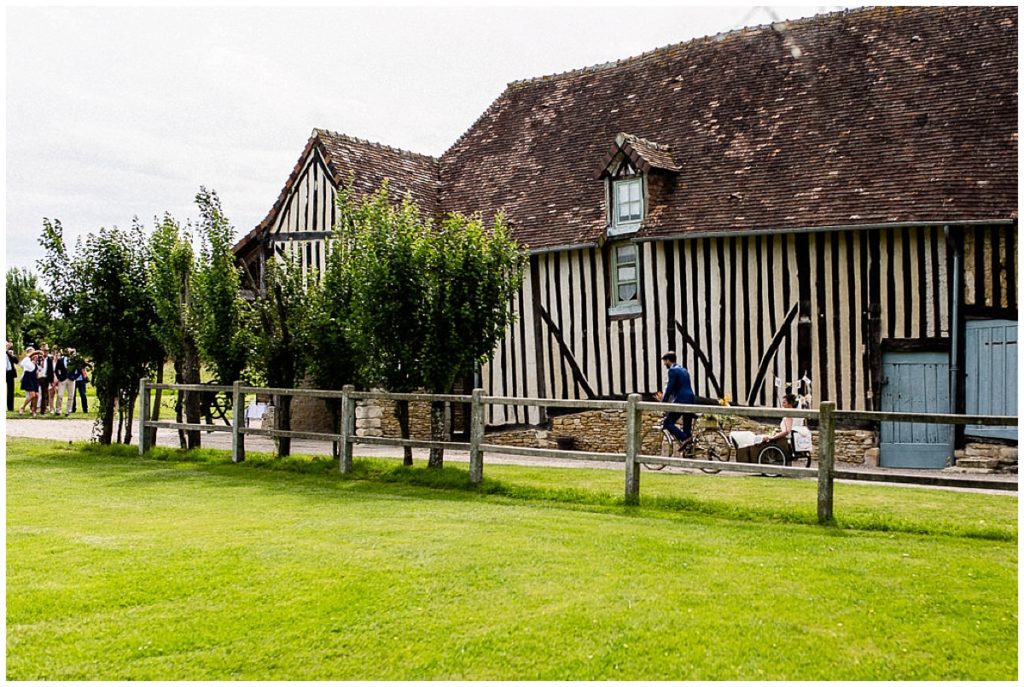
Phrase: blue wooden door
{"type": "Point", "coordinates": [990, 377]}
{"type": "Point", "coordinates": [915, 383]}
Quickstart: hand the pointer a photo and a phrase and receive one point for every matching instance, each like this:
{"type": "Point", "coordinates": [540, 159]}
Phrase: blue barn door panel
{"type": "Point", "coordinates": [915, 383]}
{"type": "Point", "coordinates": [990, 377]}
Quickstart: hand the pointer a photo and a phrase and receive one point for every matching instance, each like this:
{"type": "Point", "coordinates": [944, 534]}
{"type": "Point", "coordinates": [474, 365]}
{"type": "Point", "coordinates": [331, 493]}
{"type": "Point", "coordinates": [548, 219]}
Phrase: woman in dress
{"type": "Point", "coordinates": [29, 383]}
{"type": "Point", "coordinates": [786, 426]}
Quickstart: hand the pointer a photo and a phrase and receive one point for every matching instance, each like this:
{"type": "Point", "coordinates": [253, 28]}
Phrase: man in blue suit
{"type": "Point", "coordinates": [678, 390]}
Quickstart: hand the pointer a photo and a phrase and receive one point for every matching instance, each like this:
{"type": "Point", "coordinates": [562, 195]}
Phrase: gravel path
{"type": "Point", "coordinates": [81, 430]}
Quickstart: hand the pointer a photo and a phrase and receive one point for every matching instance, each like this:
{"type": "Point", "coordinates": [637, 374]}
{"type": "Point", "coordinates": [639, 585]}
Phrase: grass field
{"type": "Point", "coordinates": [187, 567]}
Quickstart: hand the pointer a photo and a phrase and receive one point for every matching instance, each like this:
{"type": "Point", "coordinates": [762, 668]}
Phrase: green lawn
{"type": "Point", "coordinates": [187, 567]}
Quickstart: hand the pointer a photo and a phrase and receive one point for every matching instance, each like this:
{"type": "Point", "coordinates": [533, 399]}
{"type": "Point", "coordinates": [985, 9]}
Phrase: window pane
{"type": "Point", "coordinates": [634, 209]}
{"type": "Point", "coordinates": [627, 273]}
{"type": "Point", "coordinates": [626, 254]}
{"type": "Point", "coordinates": [627, 292]}
{"type": "Point", "coordinates": [634, 190]}
{"type": "Point", "coordinates": [623, 192]}
{"type": "Point", "coordinates": [623, 212]}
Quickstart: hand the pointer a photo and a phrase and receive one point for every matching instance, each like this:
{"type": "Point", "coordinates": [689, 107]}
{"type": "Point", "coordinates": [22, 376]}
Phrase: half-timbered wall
{"type": "Point", "coordinates": [728, 306]}
{"type": "Point", "coordinates": [990, 267]}
{"type": "Point", "coordinates": [741, 312]}
{"type": "Point", "coordinates": [307, 216]}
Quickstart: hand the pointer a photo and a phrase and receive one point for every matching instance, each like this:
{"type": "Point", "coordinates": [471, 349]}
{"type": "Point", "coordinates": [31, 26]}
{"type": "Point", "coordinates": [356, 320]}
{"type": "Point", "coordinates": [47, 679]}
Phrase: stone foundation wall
{"type": "Point", "coordinates": [604, 431]}
{"type": "Point", "coordinates": [978, 456]}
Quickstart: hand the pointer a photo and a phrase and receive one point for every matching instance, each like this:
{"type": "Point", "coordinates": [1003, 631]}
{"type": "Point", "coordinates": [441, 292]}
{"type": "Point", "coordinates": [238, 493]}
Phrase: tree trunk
{"type": "Point", "coordinates": [154, 413]}
{"type": "Point", "coordinates": [130, 413]}
{"type": "Point", "coordinates": [334, 408]}
{"type": "Point", "coordinates": [120, 417]}
{"type": "Point", "coordinates": [402, 413]}
{"type": "Point", "coordinates": [179, 404]}
{"type": "Point", "coordinates": [438, 432]}
{"type": "Point", "coordinates": [283, 421]}
{"type": "Point", "coordinates": [106, 420]}
{"type": "Point", "coordinates": [193, 399]}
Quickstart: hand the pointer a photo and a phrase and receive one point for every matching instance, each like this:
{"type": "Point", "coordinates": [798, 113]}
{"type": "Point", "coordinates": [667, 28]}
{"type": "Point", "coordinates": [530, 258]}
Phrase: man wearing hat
{"type": "Point", "coordinates": [45, 375]}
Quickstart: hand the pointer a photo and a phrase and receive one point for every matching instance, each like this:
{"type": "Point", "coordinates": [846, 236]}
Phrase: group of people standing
{"type": "Point", "coordinates": [48, 379]}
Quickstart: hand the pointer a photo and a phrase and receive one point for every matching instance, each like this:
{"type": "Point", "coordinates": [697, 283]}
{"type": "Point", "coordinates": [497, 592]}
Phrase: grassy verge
{"type": "Point", "coordinates": [183, 566]}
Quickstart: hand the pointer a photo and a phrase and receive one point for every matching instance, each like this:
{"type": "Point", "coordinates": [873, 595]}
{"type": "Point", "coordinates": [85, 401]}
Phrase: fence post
{"type": "Point", "coordinates": [143, 413]}
{"type": "Point", "coordinates": [476, 437]}
{"type": "Point", "coordinates": [633, 439]}
{"type": "Point", "coordinates": [237, 422]}
{"type": "Point", "coordinates": [826, 459]}
{"type": "Point", "coordinates": [348, 416]}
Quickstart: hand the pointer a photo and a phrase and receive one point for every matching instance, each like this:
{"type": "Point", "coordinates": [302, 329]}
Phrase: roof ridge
{"type": "Point", "coordinates": [487, 111]}
{"type": "Point", "coordinates": [317, 131]}
{"type": "Point", "coordinates": [718, 37]}
{"type": "Point", "coordinates": [661, 147]}
{"type": "Point", "coordinates": [625, 60]}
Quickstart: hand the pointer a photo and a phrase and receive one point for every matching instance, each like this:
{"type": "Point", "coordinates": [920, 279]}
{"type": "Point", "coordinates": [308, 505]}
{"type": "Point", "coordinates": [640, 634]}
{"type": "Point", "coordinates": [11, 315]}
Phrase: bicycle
{"type": "Point", "coordinates": [706, 443]}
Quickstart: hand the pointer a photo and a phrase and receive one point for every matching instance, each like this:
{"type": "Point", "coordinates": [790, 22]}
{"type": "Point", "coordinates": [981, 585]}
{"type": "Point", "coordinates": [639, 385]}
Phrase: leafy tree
{"type": "Point", "coordinates": [28, 317]}
{"type": "Point", "coordinates": [222, 328]}
{"type": "Point", "coordinates": [385, 265]}
{"type": "Point", "coordinates": [280, 328]}
{"type": "Point", "coordinates": [100, 292]}
{"type": "Point", "coordinates": [472, 274]}
{"type": "Point", "coordinates": [171, 273]}
{"type": "Point", "coordinates": [331, 360]}
{"type": "Point", "coordinates": [429, 303]}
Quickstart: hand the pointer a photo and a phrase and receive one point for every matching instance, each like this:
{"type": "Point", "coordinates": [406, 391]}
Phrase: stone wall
{"type": "Point", "coordinates": [977, 456]}
{"type": "Point", "coordinates": [604, 431]}
{"type": "Point", "coordinates": [419, 419]}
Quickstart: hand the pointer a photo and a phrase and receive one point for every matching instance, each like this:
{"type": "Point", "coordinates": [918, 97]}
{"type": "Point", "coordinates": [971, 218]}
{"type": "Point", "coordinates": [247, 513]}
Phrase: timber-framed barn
{"type": "Point", "coordinates": [832, 198]}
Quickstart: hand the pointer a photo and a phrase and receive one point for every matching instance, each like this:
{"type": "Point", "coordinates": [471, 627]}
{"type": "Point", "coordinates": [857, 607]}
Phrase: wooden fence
{"type": "Point", "coordinates": [826, 415]}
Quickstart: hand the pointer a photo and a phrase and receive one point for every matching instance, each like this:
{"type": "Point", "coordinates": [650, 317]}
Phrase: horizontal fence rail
{"type": "Point", "coordinates": [826, 416]}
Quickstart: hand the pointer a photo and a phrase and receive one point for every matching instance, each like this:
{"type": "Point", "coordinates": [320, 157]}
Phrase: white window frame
{"type": "Point", "coordinates": [621, 307]}
{"type": "Point", "coordinates": [616, 226]}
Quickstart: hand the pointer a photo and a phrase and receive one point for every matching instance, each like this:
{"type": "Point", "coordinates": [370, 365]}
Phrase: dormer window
{"type": "Point", "coordinates": [628, 198]}
{"type": "Point", "coordinates": [625, 170]}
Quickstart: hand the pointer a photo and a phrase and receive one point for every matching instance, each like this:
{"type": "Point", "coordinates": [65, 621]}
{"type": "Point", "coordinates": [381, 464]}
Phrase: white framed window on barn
{"type": "Point", "coordinates": [625, 277]}
{"type": "Point", "coordinates": [627, 205]}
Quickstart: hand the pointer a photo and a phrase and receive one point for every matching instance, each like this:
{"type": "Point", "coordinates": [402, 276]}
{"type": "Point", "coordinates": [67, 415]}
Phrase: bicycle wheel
{"type": "Point", "coordinates": [712, 445]}
{"type": "Point", "coordinates": [771, 455]}
{"type": "Point", "coordinates": [654, 443]}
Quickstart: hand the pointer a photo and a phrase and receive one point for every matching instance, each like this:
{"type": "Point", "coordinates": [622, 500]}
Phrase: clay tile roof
{"type": "Point", "coordinates": [367, 164]}
{"type": "Point", "coordinates": [645, 155]}
{"type": "Point", "coordinates": [870, 116]}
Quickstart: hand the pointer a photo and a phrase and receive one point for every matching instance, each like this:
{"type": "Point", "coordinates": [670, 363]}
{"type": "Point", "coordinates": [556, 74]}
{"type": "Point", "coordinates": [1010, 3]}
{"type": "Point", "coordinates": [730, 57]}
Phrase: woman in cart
{"type": "Point", "coordinates": [792, 430]}
{"type": "Point", "coordinates": [787, 424]}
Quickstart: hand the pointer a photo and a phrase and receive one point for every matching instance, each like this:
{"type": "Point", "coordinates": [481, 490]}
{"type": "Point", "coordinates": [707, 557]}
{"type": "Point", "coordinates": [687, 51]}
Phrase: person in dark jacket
{"type": "Point", "coordinates": [46, 378]}
{"type": "Point", "coordinates": [677, 390]}
{"type": "Point", "coordinates": [12, 375]}
{"type": "Point", "coordinates": [65, 384]}
{"type": "Point", "coordinates": [79, 373]}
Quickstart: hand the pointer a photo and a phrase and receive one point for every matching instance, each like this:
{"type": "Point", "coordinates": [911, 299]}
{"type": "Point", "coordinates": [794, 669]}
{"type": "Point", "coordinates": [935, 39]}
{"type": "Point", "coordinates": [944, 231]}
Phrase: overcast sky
{"type": "Point", "coordinates": [118, 112]}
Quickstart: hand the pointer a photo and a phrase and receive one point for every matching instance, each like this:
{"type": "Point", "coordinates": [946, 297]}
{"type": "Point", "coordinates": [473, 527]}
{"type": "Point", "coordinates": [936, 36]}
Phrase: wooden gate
{"type": "Point", "coordinates": [915, 383]}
